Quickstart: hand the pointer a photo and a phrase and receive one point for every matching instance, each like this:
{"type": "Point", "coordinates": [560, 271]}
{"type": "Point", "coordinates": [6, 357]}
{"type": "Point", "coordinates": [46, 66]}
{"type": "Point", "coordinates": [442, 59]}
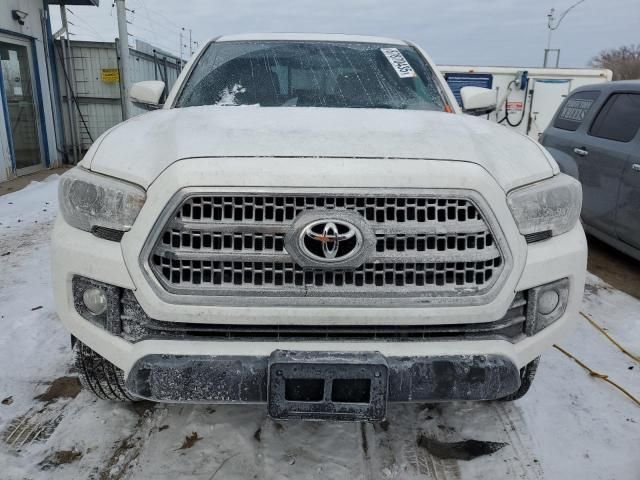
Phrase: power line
{"type": "Point", "coordinates": [168, 23]}
{"type": "Point", "coordinates": [159, 14]}
{"type": "Point", "coordinates": [164, 43]}
{"type": "Point", "coordinates": [88, 25]}
{"type": "Point", "coordinates": [164, 21]}
{"type": "Point", "coordinates": [146, 11]}
{"type": "Point", "coordinates": [150, 30]}
{"type": "Point", "coordinates": [169, 27]}
{"type": "Point", "coordinates": [153, 18]}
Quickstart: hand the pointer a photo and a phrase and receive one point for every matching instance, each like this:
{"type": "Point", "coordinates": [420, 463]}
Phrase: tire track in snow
{"type": "Point", "coordinates": [524, 463]}
{"type": "Point", "coordinates": [412, 461]}
{"type": "Point", "coordinates": [367, 466]}
{"type": "Point", "coordinates": [39, 422]}
{"type": "Point", "coordinates": [36, 425]}
{"type": "Point", "coordinates": [121, 462]}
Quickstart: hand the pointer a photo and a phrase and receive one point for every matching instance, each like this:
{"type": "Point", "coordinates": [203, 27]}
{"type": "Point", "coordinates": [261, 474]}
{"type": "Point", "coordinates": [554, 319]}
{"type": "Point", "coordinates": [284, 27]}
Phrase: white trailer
{"type": "Point", "coordinates": [527, 98]}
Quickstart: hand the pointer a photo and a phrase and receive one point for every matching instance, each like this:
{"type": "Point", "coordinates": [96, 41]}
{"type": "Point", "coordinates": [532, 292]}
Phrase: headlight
{"type": "Point", "coordinates": [89, 200]}
{"type": "Point", "coordinates": [551, 205]}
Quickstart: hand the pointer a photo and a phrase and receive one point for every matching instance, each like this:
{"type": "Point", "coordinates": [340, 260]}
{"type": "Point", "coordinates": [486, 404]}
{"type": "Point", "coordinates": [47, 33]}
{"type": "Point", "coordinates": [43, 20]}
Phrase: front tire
{"type": "Point", "coordinates": [527, 374]}
{"type": "Point", "coordinates": [99, 376]}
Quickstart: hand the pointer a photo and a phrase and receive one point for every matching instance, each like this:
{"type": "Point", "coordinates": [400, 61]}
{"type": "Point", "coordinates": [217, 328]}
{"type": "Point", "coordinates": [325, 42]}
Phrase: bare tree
{"type": "Point", "coordinates": [623, 61]}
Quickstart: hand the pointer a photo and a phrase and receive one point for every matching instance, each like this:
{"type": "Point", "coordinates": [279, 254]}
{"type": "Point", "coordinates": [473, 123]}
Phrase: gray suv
{"type": "Point", "coordinates": [595, 138]}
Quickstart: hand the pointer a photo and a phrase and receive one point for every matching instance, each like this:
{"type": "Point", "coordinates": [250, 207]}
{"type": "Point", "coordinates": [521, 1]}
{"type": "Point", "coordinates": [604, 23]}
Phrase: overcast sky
{"type": "Point", "coordinates": [480, 32]}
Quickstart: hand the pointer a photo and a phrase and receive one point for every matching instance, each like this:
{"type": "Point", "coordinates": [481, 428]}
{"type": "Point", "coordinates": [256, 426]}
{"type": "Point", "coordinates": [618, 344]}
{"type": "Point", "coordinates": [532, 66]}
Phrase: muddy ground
{"type": "Point", "coordinates": [615, 268]}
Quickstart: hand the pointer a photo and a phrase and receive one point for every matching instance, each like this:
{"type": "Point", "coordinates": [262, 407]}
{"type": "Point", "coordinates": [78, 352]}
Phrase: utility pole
{"type": "Point", "coordinates": [123, 41]}
{"type": "Point", "coordinates": [190, 45]}
{"type": "Point", "coordinates": [553, 25]}
{"type": "Point", "coordinates": [181, 44]}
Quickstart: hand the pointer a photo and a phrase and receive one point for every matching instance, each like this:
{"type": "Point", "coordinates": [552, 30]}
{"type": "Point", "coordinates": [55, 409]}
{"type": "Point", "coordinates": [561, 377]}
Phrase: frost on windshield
{"type": "Point", "coordinates": [313, 74]}
{"type": "Point", "coordinates": [228, 95]}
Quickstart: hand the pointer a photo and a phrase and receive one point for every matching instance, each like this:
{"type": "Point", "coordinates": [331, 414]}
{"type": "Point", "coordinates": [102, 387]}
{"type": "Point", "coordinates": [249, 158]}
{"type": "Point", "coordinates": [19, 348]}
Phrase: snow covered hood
{"type": "Point", "coordinates": [141, 148]}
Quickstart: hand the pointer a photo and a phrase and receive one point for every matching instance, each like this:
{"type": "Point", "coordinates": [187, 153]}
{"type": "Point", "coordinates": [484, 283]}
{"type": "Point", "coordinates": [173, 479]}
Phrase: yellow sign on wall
{"type": "Point", "coordinates": [110, 75]}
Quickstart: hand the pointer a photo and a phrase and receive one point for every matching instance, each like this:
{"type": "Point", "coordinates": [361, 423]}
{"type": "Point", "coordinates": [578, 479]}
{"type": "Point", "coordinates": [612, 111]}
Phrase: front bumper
{"type": "Point", "coordinates": [243, 379]}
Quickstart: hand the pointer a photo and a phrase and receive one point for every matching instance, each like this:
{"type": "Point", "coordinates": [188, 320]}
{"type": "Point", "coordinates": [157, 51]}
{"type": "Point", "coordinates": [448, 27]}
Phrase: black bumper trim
{"type": "Point", "coordinates": [138, 326]}
{"type": "Point", "coordinates": [243, 379]}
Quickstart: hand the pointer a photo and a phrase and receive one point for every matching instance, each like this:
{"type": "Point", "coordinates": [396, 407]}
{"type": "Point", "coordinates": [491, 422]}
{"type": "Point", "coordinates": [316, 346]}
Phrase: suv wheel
{"type": "Point", "coordinates": [100, 376]}
{"type": "Point", "coordinates": [527, 374]}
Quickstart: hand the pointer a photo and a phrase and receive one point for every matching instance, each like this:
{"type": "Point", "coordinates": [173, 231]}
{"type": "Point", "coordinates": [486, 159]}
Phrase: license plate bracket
{"type": "Point", "coordinates": [328, 386]}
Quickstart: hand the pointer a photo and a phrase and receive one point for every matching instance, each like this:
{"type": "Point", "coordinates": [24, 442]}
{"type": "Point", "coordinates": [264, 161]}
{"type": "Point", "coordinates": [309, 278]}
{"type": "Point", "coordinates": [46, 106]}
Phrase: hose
{"type": "Point", "coordinates": [524, 105]}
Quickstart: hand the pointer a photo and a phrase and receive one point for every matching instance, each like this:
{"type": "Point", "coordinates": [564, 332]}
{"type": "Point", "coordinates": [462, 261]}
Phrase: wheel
{"type": "Point", "coordinates": [99, 376]}
{"type": "Point", "coordinates": [527, 374]}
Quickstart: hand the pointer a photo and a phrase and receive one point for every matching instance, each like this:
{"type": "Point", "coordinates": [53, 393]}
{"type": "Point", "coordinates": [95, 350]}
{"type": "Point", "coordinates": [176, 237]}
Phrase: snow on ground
{"type": "Point", "coordinates": [570, 425]}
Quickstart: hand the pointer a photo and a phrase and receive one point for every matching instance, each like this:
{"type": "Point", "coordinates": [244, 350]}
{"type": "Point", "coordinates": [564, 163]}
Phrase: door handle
{"type": "Point", "coordinates": [635, 167]}
{"type": "Point", "coordinates": [581, 151]}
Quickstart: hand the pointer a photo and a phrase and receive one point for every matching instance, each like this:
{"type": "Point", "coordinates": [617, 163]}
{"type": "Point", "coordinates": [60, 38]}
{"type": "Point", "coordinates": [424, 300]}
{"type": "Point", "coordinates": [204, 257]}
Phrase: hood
{"type": "Point", "coordinates": [139, 149]}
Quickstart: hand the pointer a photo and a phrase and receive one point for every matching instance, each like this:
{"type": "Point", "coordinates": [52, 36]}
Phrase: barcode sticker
{"type": "Point", "coordinates": [398, 62]}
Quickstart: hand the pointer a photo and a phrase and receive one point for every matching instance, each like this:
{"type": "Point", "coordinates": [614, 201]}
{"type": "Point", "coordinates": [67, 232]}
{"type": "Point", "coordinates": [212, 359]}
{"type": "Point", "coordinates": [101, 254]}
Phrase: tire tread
{"type": "Point", "coordinates": [99, 376]}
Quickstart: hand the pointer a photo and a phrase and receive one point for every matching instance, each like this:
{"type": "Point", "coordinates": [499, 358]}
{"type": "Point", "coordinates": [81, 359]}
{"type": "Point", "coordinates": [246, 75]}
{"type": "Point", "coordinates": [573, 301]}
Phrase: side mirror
{"type": "Point", "coordinates": [478, 100]}
{"type": "Point", "coordinates": [147, 94]}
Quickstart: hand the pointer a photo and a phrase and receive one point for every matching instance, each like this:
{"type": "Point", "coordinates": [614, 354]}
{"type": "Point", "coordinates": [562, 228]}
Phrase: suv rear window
{"type": "Point", "coordinates": [619, 119]}
{"type": "Point", "coordinates": [575, 109]}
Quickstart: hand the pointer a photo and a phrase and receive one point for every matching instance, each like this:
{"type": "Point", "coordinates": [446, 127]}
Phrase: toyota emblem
{"type": "Point", "coordinates": [330, 240]}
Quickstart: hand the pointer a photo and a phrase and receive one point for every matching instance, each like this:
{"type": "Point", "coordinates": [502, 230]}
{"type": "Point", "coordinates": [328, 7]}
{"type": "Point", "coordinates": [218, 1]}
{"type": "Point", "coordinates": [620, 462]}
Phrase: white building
{"type": "Point", "coordinates": [29, 107]}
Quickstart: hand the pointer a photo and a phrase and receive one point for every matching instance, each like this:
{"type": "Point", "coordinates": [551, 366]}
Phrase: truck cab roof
{"type": "Point", "coordinates": [313, 37]}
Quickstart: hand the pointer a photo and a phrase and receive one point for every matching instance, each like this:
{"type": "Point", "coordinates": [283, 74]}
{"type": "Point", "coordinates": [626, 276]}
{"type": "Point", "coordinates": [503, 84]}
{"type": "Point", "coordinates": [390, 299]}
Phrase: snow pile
{"type": "Point", "coordinates": [228, 95]}
{"type": "Point", "coordinates": [569, 425]}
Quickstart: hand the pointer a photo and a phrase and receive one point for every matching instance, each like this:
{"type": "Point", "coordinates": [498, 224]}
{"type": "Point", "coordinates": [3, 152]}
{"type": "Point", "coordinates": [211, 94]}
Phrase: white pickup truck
{"type": "Point", "coordinates": [311, 222]}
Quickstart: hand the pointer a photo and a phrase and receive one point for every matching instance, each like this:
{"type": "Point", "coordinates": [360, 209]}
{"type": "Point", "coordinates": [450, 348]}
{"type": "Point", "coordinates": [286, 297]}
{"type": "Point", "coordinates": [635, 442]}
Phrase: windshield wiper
{"type": "Point", "coordinates": [387, 106]}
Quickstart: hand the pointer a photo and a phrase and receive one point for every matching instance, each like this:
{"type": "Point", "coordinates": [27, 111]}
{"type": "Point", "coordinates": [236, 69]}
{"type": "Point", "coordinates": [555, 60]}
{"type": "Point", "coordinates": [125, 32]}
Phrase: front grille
{"type": "Point", "coordinates": [427, 247]}
{"type": "Point", "coordinates": [138, 326]}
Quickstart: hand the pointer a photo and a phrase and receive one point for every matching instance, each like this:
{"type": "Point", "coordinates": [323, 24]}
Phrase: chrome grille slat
{"type": "Point", "coordinates": [243, 274]}
{"type": "Point", "coordinates": [435, 244]}
{"type": "Point", "coordinates": [267, 256]}
{"type": "Point", "coordinates": [284, 208]}
{"type": "Point", "coordinates": [434, 228]}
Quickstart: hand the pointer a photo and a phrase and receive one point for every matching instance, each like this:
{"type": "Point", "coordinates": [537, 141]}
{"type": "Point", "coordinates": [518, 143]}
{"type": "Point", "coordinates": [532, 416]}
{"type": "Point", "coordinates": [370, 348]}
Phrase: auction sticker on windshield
{"type": "Point", "coordinates": [398, 62]}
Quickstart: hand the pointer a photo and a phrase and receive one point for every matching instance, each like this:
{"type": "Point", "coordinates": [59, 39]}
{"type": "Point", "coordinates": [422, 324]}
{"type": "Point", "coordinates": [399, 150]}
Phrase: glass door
{"type": "Point", "coordinates": [18, 89]}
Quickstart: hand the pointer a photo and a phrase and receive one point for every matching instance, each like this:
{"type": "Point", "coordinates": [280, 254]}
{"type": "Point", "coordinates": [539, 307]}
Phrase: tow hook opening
{"type": "Point", "coordinates": [304, 389]}
{"type": "Point", "coordinates": [351, 390]}
{"type": "Point", "coordinates": [343, 390]}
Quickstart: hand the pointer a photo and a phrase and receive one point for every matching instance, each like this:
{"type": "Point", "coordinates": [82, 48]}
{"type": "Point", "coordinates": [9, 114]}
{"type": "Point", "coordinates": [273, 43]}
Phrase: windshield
{"type": "Point", "coordinates": [312, 74]}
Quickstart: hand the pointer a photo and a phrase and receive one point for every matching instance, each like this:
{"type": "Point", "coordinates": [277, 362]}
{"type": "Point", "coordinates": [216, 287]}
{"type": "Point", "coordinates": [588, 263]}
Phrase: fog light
{"type": "Point", "coordinates": [548, 301]}
{"type": "Point", "coordinates": [95, 300]}
{"type": "Point", "coordinates": [546, 304]}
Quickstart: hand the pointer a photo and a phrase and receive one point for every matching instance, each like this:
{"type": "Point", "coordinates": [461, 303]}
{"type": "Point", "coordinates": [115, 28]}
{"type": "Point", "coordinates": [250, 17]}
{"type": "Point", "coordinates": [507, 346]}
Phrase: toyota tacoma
{"type": "Point", "coordinates": [312, 222]}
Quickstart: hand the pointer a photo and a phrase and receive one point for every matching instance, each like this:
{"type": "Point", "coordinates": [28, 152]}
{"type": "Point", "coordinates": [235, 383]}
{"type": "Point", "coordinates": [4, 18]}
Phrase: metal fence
{"type": "Point", "coordinates": [97, 95]}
